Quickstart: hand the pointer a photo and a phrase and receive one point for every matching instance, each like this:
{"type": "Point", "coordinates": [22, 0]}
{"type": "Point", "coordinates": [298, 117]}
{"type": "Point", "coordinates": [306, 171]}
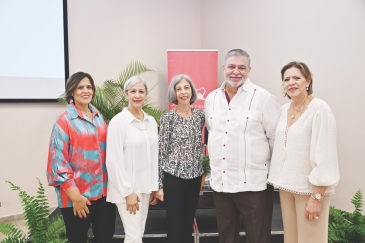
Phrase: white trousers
{"type": "Point", "coordinates": [134, 224]}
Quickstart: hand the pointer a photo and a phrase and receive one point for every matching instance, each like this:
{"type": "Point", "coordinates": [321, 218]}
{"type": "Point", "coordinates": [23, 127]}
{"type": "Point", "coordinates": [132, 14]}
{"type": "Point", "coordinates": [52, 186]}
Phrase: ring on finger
{"type": "Point", "coordinates": [316, 217]}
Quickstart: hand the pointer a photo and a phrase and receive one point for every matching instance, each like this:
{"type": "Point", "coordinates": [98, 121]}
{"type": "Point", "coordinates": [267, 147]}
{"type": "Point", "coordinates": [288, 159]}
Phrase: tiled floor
{"type": "Point", "coordinates": [20, 224]}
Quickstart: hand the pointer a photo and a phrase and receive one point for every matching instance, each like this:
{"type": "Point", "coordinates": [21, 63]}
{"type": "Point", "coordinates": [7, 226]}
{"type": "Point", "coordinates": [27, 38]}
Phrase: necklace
{"type": "Point", "coordinates": [140, 128]}
{"type": "Point", "coordinates": [87, 114]}
{"type": "Point", "coordinates": [298, 110]}
{"type": "Point", "coordinates": [137, 116]}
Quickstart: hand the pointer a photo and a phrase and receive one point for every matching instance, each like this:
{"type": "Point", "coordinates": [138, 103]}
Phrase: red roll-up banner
{"type": "Point", "coordinates": [200, 65]}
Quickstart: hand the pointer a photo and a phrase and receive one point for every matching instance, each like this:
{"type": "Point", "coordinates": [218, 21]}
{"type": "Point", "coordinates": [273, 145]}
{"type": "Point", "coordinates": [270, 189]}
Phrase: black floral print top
{"type": "Point", "coordinates": [180, 145]}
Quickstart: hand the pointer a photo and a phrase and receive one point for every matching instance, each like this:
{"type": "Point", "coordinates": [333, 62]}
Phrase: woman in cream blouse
{"type": "Point", "coordinates": [132, 161]}
{"type": "Point", "coordinates": [304, 163]}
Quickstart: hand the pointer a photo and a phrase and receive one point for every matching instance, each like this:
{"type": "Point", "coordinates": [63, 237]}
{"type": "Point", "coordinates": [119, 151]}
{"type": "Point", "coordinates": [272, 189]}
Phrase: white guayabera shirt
{"type": "Point", "coordinates": [241, 137]}
{"type": "Point", "coordinates": [131, 156]}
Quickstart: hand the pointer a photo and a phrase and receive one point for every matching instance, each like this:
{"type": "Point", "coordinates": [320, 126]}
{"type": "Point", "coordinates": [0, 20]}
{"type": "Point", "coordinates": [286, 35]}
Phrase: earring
{"type": "Point", "coordinates": [307, 88]}
{"type": "Point", "coordinates": [284, 94]}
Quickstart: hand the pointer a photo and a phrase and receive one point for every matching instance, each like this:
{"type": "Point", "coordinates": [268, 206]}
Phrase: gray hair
{"type": "Point", "coordinates": [133, 81]}
{"type": "Point", "coordinates": [171, 94]}
{"type": "Point", "coordinates": [237, 52]}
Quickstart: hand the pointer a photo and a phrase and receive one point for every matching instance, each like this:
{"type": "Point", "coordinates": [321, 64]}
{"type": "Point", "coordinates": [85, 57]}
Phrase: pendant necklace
{"type": "Point", "coordinates": [298, 110]}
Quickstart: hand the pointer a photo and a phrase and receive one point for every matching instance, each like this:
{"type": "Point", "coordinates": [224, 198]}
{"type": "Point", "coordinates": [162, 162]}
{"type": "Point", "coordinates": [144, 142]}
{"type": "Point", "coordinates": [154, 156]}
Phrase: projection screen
{"type": "Point", "coordinates": [33, 50]}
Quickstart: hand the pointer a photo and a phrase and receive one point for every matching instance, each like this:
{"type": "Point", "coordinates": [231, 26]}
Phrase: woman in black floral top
{"type": "Point", "coordinates": [180, 151]}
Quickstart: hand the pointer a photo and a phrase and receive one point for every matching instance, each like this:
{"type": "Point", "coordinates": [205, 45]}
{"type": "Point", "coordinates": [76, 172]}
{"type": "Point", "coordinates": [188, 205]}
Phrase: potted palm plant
{"type": "Point", "coordinates": [110, 99]}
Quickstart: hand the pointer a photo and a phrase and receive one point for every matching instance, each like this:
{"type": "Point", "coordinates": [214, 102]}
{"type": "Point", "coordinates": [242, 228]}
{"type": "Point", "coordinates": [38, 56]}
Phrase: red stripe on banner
{"type": "Point", "coordinates": [200, 65]}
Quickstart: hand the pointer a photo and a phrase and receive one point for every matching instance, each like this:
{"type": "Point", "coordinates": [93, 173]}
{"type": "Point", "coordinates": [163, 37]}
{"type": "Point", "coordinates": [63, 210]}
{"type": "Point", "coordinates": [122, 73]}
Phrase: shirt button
{"type": "Point", "coordinates": [229, 109]}
{"type": "Point", "coordinates": [226, 132]}
{"type": "Point", "coordinates": [224, 145]}
{"type": "Point", "coordinates": [210, 117]}
{"type": "Point", "coordinates": [224, 158]}
{"type": "Point", "coordinates": [224, 171]}
{"type": "Point", "coordinates": [227, 120]}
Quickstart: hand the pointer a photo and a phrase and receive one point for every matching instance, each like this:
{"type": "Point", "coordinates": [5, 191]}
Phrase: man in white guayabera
{"type": "Point", "coordinates": [241, 118]}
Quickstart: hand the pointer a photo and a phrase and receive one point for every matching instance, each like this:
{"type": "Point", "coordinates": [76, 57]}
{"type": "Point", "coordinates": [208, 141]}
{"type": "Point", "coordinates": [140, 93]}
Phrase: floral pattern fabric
{"type": "Point", "coordinates": [180, 145]}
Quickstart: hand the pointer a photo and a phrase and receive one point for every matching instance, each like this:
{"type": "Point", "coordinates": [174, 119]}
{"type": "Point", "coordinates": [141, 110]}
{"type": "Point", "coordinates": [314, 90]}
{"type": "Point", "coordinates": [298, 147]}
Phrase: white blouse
{"type": "Point", "coordinates": [310, 156]}
{"type": "Point", "coordinates": [131, 156]}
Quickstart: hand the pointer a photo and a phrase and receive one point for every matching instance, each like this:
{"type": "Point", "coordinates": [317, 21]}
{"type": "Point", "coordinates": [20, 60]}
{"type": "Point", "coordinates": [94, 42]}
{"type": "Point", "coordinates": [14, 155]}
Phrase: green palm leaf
{"type": "Point", "coordinates": [109, 99]}
{"type": "Point", "coordinates": [133, 69]}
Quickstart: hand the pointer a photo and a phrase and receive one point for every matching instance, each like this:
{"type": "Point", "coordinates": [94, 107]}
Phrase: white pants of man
{"type": "Point", "coordinates": [134, 224]}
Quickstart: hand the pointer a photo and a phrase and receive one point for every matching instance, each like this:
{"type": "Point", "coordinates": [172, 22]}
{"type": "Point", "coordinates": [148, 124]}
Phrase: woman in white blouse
{"type": "Point", "coordinates": [304, 163]}
{"type": "Point", "coordinates": [132, 161]}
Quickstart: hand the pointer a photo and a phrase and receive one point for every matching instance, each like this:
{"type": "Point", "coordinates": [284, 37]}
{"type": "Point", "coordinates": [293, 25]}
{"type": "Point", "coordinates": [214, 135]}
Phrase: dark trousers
{"type": "Point", "coordinates": [256, 210]}
{"type": "Point", "coordinates": [101, 217]}
{"type": "Point", "coordinates": [181, 198]}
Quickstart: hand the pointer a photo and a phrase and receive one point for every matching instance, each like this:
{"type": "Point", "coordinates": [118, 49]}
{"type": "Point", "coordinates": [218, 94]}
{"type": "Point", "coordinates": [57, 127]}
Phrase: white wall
{"type": "Point", "coordinates": [104, 36]}
{"type": "Point", "coordinates": [329, 36]}
{"type": "Point", "coordinates": [24, 138]}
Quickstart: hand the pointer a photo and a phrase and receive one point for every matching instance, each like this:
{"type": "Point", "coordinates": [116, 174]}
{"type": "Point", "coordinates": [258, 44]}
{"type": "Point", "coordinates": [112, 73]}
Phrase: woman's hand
{"type": "Point", "coordinates": [313, 209]}
{"type": "Point", "coordinates": [159, 195]}
{"type": "Point", "coordinates": [80, 206]}
{"type": "Point", "coordinates": [132, 203]}
{"type": "Point", "coordinates": [153, 198]}
{"type": "Point", "coordinates": [79, 202]}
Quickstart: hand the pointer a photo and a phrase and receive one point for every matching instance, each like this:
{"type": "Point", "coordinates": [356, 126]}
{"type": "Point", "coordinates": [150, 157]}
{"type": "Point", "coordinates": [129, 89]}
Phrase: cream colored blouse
{"type": "Point", "coordinates": [310, 155]}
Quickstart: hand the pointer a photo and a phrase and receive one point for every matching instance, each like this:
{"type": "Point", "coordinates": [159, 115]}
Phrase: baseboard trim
{"type": "Point", "coordinates": [12, 218]}
{"type": "Point", "coordinates": [20, 216]}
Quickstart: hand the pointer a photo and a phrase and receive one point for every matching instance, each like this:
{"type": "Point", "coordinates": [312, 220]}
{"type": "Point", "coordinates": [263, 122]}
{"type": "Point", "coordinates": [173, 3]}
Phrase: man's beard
{"type": "Point", "coordinates": [234, 84]}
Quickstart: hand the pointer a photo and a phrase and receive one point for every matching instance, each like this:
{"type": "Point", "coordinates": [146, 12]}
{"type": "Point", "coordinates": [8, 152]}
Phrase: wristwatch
{"type": "Point", "coordinates": [317, 196]}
